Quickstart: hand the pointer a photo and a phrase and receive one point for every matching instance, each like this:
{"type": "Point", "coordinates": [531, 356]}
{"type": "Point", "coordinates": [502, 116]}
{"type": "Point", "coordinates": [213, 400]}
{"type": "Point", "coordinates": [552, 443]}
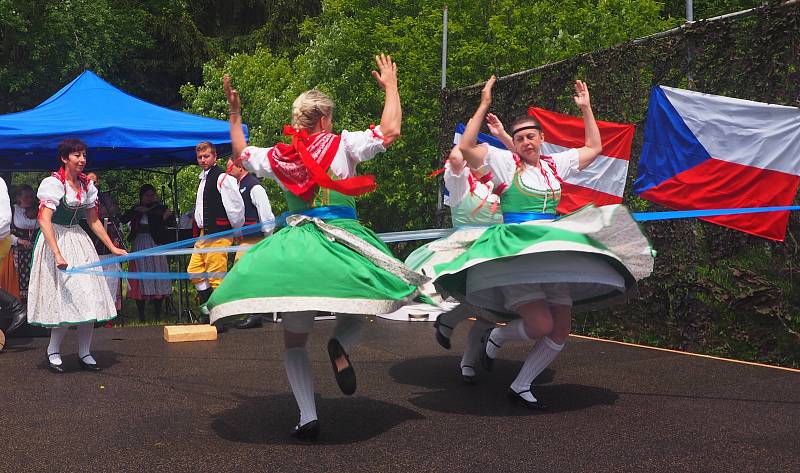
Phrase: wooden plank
{"type": "Point", "coordinates": [189, 333]}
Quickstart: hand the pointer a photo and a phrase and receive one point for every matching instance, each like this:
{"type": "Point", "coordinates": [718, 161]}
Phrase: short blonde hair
{"type": "Point", "coordinates": [309, 107]}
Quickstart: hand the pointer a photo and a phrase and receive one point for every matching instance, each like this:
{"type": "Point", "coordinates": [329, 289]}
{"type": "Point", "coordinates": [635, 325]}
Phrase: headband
{"type": "Point", "coordinates": [527, 127]}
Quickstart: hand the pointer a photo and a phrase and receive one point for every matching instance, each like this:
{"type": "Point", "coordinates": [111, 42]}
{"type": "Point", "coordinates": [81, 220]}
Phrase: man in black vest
{"type": "Point", "coordinates": [256, 209]}
{"type": "Point", "coordinates": [218, 207]}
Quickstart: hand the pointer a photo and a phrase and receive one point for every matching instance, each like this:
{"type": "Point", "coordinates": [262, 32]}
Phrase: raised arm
{"type": "Point", "coordinates": [386, 75]}
{"type": "Point", "coordinates": [497, 130]}
{"type": "Point", "coordinates": [473, 153]}
{"type": "Point", "coordinates": [593, 144]}
{"type": "Point", "coordinates": [238, 141]}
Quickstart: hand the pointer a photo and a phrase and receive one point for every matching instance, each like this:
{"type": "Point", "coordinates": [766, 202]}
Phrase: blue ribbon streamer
{"type": "Point", "coordinates": [389, 237]}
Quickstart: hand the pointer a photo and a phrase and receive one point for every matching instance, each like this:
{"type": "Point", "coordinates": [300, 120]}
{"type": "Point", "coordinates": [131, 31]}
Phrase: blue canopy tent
{"type": "Point", "coordinates": [122, 131]}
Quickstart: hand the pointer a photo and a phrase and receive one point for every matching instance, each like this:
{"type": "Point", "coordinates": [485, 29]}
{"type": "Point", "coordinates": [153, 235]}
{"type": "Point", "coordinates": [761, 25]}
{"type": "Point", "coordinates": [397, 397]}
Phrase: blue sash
{"type": "Point", "coordinates": [324, 213]}
{"type": "Point", "coordinates": [520, 217]}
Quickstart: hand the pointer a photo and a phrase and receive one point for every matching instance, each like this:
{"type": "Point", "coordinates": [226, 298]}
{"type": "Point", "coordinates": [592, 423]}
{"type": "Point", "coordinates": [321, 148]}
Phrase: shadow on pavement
{"type": "Point", "coordinates": [268, 419]}
{"type": "Point", "coordinates": [487, 397]}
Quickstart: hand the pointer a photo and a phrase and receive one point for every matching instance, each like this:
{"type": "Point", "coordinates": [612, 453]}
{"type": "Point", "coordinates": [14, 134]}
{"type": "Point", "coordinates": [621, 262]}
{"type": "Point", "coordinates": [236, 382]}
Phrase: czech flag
{"type": "Point", "coordinates": [602, 182]}
{"type": "Point", "coordinates": [706, 151]}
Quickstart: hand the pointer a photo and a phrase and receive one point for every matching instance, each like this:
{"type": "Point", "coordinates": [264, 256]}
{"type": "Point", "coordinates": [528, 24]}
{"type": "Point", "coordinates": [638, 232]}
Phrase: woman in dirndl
{"type": "Point", "coordinates": [535, 267]}
{"type": "Point", "coordinates": [57, 299]}
{"type": "Point", "coordinates": [323, 259]}
{"type": "Point", "coordinates": [24, 225]}
{"type": "Point", "coordinates": [148, 224]}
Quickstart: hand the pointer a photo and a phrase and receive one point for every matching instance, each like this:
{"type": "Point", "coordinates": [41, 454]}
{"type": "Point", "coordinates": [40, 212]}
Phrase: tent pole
{"type": "Point", "coordinates": [179, 259]}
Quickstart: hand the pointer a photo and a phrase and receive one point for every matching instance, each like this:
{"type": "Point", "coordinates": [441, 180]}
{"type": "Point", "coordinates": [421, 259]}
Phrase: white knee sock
{"type": "Point", "coordinates": [298, 370]}
{"type": "Point", "coordinates": [56, 337]}
{"type": "Point", "coordinates": [515, 330]}
{"type": "Point", "coordinates": [470, 357]}
{"type": "Point", "coordinates": [348, 330]}
{"type": "Point", "coordinates": [449, 320]}
{"type": "Point", "coordinates": [538, 359]}
{"type": "Point", "coordinates": [85, 332]}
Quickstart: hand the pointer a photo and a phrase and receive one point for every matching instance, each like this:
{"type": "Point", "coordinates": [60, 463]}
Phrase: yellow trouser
{"type": "Point", "coordinates": [209, 262]}
{"type": "Point", "coordinates": [247, 242]}
{"type": "Point", "coordinates": [5, 246]}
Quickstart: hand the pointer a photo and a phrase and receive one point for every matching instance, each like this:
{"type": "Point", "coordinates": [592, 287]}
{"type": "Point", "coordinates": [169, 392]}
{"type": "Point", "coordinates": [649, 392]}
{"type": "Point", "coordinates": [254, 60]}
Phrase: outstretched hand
{"type": "Point", "coordinates": [581, 94]}
{"type": "Point", "coordinates": [386, 75]}
{"type": "Point", "coordinates": [486, 93]}
{"type": "Point", "coordinates": [234, 105]}
{"type": "Point", "coordinates": [496, 127]}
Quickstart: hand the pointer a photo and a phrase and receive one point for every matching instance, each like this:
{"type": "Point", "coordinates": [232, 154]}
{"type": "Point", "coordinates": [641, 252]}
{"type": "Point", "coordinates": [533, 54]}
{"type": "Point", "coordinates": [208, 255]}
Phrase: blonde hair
{"type": "Point", "coordinates": [309, 107]}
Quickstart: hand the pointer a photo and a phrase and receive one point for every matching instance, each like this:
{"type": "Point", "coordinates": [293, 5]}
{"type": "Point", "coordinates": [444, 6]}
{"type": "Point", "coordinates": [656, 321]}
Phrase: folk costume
{"type": "Point", "coordinates": [147, 230]}
{"type": "Point", "coordinates": [23, 227]}
{"type": "Point", "coordinates": [105, 211]}
{"type": "Point", "coordinates": [322, 260]}
{"type": "Point", "coordinates": [218, 207]}
{"type": "Point", "coordinates": [58, 300]}
{"type": "Point", "coordinates": [474, 207]}
{"type": "Point", "coordinates": [590, 258]}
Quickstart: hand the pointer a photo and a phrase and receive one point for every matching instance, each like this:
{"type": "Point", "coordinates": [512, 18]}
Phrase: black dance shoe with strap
{"type": "Point", "coordinates": [307, 432]}
{"type": "Point", "coordinates": [58, 369]}
{"type": "Point", "coordinates": [516, 398]}
{"type": "Point", "coordinates": [345, 376]}
{"type": "Point", "coordinates": [443, 340]}
{"type": "Point", "coordinates": [487, 361]}
{"type": "Point", "coordinates": [88, 366]}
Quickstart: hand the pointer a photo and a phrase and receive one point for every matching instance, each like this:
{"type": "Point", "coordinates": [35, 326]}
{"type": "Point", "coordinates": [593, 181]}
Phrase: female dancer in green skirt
{"type": "Point", "coordinates": [324, 259]}
{"type": "Point", "coordinates": [534, 267]}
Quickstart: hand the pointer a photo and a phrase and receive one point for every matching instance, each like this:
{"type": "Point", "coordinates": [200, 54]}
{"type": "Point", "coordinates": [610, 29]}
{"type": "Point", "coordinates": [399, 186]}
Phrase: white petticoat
{"type": "Point", "coordinates": [56, 298]}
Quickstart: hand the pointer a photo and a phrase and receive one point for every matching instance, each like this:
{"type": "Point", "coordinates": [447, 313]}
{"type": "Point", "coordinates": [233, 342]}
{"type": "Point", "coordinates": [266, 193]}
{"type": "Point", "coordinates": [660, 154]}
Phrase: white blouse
{"type": "Point", "coordinates": [503, 167]}
{"type": "Point", "coordinates": [22, 221]}
{"type": "Point", "coordinates": [355, 147]}
{"type": "Point", "coordinates": [51, 190]}
{"type": "Point", "coordinates": [458, 186]}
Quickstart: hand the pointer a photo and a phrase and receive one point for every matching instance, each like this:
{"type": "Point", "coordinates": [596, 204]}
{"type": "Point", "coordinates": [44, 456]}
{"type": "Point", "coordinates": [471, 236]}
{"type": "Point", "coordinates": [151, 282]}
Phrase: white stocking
{"type": "Point", "coordinates": [538, 359]}
{"type": "Point", "coordinates": [85, 332]}
{"type": "Point", "coordinates": [298, 370]}
{"type": "Point", "coordinates": [54, 348]}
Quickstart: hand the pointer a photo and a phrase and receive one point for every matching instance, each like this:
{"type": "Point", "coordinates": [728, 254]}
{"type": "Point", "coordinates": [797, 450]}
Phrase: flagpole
{"type": "Point", "coordinates": [444, 48]}
{"type": "Point", "coordinates": [689, 20]}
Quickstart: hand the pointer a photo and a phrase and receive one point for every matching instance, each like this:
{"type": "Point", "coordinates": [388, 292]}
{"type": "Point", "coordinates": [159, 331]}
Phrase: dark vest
{"type": "Point", "coordinates": [214, 217]}
{"type": "Point", "coordinates": [250, 210]}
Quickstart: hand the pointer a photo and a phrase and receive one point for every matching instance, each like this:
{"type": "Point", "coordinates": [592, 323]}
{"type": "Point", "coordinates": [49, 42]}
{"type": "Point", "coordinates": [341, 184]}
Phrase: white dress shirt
{"type": "Point", "coordinates": [231, 200]}
{"type": "Point", "coordinates": [260, 199]}
{"type": "Point", "coordinates": [5, 210]}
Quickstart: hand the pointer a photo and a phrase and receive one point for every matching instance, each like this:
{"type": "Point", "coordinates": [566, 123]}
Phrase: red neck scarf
{"type": "Point", "coordinates": [303, 165]}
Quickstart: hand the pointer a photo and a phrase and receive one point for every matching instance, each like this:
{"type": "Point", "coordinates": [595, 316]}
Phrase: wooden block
{"type": "Point", "coordinates": [189, 333]}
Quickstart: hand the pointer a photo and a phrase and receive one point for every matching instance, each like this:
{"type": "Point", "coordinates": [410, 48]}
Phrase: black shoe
{"type": "Point", "coordinates": [443, 341]}
{"type": "Point", "coordinates": [468, 379]}
{"type": "Point", "coordinates": [221, 328]}
{"type": "Point", "coordinates": [515, 397]}
{"type": "Point", "coordinates": [306, 432]}
{"type": "Point", "coordinates": [58, 369]}
{"type": "Point", "coordinates": [204, 295]}
{"type": "Point", "coordinates": [12, 310]}
{"type": "Point", "coordinates": [487, 361]}
{"type": "Point", "coordinates": [346, 378]}
{"type": "Point", "coordinates": [88, 366]}
{"type": "Point", "coordinates": [253, 321]}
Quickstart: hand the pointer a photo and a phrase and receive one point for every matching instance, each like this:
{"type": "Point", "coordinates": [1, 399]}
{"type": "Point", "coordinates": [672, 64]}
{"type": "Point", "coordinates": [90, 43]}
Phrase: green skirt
{"type": "Point", "coordinates": [598, 254]}
{"type": "Point", "coordinates": [299, 268]}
